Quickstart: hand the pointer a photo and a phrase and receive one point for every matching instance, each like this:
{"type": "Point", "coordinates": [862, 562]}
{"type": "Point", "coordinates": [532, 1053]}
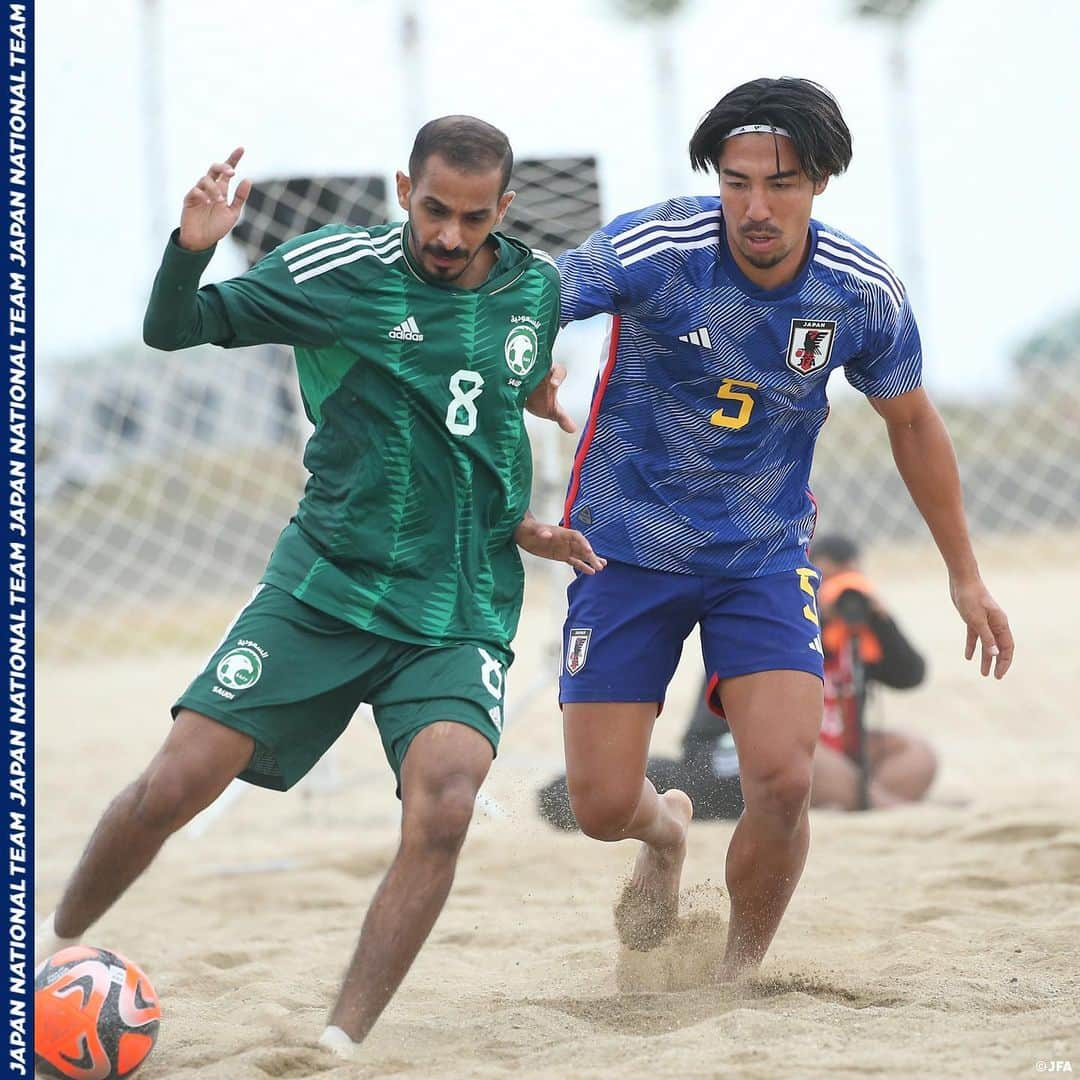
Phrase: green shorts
{"type": "Point", "coordinates": [291, 677]}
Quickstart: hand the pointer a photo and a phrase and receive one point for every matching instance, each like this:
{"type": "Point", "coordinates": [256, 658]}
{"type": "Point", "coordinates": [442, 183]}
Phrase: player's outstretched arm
{"type": "Point", "coordinates": [559, 544]}
{"type": "Point", "coordinates": [207, 214]}
{"type": "Point", "coordinates": [544, 400]}
{"type": "Point", "coordinates": [261, 306]}
{"type": "Point", "coordinates": [924, 456]}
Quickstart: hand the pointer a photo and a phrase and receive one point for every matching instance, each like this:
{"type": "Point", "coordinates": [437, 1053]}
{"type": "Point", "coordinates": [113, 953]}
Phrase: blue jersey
{"type": "Point", "coordinates": [697, 451]}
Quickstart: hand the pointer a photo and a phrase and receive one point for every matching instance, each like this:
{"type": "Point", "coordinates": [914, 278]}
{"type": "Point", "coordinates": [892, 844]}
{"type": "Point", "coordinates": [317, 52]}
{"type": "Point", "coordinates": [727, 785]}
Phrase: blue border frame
{"type": "Point", "coordinates": [19, 527]}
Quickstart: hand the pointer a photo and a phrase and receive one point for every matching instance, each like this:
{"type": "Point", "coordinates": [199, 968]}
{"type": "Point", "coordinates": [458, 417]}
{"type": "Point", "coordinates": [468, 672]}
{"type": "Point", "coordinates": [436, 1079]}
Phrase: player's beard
{"type": "Point", "coordinates": [462, 257]}
{"type": "Point", "coordinates": [441, 274]}
{"type": "Point", "coordinates": [766, 260]}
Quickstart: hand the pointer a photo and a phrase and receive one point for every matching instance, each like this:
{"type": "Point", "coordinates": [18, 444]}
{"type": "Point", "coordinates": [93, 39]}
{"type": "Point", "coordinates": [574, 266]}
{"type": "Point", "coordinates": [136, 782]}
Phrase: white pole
{"type": "Point", "coordinates": [670, 144]}
{"type": "Point", "coordinates": [414, 93]}
{"type": "Point", "coordinates": [905, 168]}
{"type": "Point", "coordinates": [897, 15]}
{"type": "Point", "coordinates": [157, 201]}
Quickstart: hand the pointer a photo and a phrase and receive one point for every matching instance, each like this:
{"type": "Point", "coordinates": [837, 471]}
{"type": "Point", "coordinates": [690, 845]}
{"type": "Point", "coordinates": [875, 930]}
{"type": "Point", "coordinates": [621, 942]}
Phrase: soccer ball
{"type": "Point", "coordinates": [95, 1015]}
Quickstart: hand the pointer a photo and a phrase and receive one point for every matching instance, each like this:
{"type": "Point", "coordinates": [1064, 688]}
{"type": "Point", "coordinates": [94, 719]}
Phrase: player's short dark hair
{"type": "Point", "coordinates": [838, 548]}
{"type": "Point", "coordinates": [807, 111]}
{"type": "Point", "coordinates": [464, 142]}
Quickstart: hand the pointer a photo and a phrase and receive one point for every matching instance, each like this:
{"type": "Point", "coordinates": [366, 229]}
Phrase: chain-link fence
{"type": "Point", "coordinates": [164, 479]}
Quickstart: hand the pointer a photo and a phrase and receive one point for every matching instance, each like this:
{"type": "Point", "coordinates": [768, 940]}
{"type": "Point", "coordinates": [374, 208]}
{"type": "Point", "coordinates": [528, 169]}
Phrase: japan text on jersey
{"type": "Point", "coordinates": [697, 451]}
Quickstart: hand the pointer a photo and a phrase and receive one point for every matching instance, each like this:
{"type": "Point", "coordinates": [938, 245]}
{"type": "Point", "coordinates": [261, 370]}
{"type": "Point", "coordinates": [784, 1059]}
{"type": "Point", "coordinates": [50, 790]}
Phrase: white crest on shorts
{"type": "Point", "coordinates": [577, 649]}
{"type": "Point", "coordinates": [239, 669]}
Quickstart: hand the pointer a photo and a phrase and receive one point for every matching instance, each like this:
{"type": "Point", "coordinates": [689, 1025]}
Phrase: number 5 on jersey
{"type": "Point", "coordinates": [465, 387]}
{"type": "Point", "coordinates": [729, 417]}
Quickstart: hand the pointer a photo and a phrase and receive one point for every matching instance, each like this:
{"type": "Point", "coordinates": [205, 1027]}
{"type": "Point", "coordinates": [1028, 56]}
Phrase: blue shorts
{"type": "Point", "coordinates": [625, 629]}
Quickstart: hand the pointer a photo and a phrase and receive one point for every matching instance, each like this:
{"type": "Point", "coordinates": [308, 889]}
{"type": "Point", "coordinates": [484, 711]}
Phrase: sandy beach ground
{"type": "Point", "coordinates": [938, 940]}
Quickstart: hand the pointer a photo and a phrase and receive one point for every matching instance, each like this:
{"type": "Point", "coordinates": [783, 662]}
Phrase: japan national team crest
{"type": "Point", "coordinates": [810, 344]}
{"type": "Point", "coordinates": [577, 649]}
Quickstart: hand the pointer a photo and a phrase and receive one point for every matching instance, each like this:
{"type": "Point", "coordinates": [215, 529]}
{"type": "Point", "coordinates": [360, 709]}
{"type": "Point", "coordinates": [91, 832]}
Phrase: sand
{"type": "Point", "coordinates": [937, 940]}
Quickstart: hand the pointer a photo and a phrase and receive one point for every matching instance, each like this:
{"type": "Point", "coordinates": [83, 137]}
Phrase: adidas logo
{"type": "Point", "coordinates": [407, 331]}
{"type": "Point", "coordinates": [697, 337]}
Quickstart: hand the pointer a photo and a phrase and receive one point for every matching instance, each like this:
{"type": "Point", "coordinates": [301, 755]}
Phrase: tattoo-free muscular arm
{"type": "Point", "coordinates": [924, 456]}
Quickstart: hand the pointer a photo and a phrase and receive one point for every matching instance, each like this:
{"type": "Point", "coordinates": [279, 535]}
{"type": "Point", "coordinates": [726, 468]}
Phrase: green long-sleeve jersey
{"type": "Point", "coordinates": [420, 462]}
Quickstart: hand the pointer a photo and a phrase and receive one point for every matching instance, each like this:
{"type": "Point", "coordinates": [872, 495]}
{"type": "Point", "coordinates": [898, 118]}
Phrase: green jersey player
{"type": "Point", "coordinates": [398, 581]}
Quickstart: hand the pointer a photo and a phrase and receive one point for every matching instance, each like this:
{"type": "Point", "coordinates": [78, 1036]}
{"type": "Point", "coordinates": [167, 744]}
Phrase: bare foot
{"type": "Point", "coordinates": [731, 971]}
{"type": "Point", "coordinates": [646, 912]}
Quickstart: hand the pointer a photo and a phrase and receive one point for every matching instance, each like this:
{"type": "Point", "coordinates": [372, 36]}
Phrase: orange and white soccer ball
{"type": "Point", "coordinates": [96, 1015]}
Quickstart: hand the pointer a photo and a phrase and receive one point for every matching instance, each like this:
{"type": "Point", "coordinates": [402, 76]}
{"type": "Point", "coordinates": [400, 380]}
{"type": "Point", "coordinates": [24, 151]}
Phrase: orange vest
{"type": "Point", "coordinates": [838, 728]}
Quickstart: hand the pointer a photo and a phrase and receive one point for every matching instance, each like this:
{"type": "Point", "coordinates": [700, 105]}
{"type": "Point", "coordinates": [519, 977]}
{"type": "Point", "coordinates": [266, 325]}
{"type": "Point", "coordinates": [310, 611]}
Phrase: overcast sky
{"type": "Point", "coordinates": [324, 87]}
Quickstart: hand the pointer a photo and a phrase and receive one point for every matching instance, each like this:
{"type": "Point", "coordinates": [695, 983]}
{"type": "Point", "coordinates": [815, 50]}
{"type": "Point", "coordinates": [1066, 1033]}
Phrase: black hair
{"type": "Point", "coordinates": [807, 111]}
{"type": "Point", "coordinates": [464, 142]}
{"type": "Point", "coordinates": [836, 547]}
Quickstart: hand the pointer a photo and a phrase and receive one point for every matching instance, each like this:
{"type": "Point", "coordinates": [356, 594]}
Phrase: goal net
{"type": "Point", "coordinates": [163, 479]}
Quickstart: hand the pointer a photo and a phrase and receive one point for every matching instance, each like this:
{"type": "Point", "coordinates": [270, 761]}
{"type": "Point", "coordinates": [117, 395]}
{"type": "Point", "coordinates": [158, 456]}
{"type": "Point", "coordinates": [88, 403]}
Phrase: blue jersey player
{"type": "Point", "coordinates": [691, 478]}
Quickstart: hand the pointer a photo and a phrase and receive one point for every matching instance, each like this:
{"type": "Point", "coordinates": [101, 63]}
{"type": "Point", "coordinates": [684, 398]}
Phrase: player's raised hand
{"type": "Point", "coordinates": [207, 214]}
{"type": "Point", "coordinates": [544, 400]}
{"type": "Point", "coordinates": [559, 544]}
{"type": "Point", "coordinates": [986, 623]}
